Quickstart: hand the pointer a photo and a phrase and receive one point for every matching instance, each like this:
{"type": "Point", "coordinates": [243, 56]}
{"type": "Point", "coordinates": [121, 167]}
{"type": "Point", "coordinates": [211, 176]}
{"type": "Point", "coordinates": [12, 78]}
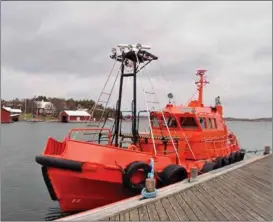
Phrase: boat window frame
{"type": "Point", "coordinates": [189, 116]}
{"type": "Point", "coordinates": [215, 123]}
{"type": "Point", "coordinates": [168, 117]}
{"type": "Point", "coordinates": [205, 121]}
{"type": "Point", "coordinates": [152, 117]}
{"type": "Point", "coordinates": [209, 123]}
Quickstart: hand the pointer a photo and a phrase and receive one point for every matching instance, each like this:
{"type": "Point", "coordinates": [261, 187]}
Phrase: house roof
{"type": "Point", "coordinates": [44, 105]}
{"type": "Point", "coordinates": [76, 113]}
{"type": "Point", "coordinates": [12, 110]}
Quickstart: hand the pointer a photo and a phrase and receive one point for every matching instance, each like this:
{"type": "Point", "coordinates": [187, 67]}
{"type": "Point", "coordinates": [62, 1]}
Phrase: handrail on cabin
{"type": "Point", "coordinates": [91, 129]}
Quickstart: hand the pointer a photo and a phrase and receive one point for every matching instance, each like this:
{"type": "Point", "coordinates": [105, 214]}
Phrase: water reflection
{"type": "Point", "coordinates": [55, 213]}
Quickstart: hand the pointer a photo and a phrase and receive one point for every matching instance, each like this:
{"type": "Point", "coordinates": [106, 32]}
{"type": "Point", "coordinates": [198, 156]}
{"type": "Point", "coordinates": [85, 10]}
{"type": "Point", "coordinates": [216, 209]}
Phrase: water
{"type": "Point", "coordinates": [23, 192]}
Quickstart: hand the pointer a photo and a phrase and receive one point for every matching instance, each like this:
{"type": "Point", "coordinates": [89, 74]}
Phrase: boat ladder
{"type": "Point", "coordinates": [152, 103]}
{"type": "Point", "coordinates": [102, 101]}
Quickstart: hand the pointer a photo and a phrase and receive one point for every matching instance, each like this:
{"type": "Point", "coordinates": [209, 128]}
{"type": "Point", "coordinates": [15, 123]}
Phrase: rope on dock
{"type": "Point", "coordinates": [144, 191]}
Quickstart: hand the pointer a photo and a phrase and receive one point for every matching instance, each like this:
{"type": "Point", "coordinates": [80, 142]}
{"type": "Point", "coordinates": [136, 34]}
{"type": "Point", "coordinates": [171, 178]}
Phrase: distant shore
{"type": "Point", "coordinates": [249, 120]}
{"type": "Point", "coordinates": [29, 118]}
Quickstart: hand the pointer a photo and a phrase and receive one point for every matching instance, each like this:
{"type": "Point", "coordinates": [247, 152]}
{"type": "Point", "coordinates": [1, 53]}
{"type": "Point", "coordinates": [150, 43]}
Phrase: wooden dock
{"type": "Point", "coordinates": [241, 191]}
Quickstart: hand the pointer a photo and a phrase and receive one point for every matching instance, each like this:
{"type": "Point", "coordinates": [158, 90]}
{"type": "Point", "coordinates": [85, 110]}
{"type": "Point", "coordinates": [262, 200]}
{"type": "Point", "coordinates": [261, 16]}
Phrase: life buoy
{"type": "Point", "coordinates": [129, 172]}
{"type": "Point", "coordinates": [173, 174]}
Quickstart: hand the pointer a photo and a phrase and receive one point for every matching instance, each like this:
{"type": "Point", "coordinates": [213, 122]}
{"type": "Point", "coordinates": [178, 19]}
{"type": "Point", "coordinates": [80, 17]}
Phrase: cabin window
{"type": "Point", "coordinates": [154, 121]}
{"type": "Point", "coordinates": [215, 124]}
{"type": "Point", "coordinates": [171, 122]}
{"type": "Point", "coordinates": [202, 121]}
{"type": "Point", "coordinates": [188, 122]}
{"type": "Point", "coordinates": [210, 123]}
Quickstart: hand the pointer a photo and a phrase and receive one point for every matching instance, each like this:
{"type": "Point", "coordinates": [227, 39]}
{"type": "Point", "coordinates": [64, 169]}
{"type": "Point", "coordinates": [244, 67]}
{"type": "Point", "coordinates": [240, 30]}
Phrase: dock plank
{"type": "Point", "coordinates": [178, 209]}
{"type": "Point", "coordinates": [217, 215]}
{"type": "Point", "coordinates": [133, 215]}
{"type": "Point", "coordinates": [161, 211]}
{"type": "Point", "coordinates": [238, 192]}
{"type": "Point", "coordinates": [143, 213]}
{"type": "Point", "coordinates": [169, 209]}
{"type": "Point", "coordinates": [153, 216]}
{"type": "Point", "coordinates": [247, 201]}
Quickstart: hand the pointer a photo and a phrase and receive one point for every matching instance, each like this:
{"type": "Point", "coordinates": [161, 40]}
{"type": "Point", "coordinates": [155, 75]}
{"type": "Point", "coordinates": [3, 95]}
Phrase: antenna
{"type": "Point", "coordinates": [200, 84]}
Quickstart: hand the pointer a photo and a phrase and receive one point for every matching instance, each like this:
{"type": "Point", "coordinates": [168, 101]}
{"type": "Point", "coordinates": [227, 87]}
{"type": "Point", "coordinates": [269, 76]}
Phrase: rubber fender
{"type": "Point", "coordinates": [48, 184]}
{"type": "Point", "coordinates": [225, 161]}
{"type": "Point", "coordinates": [173, 174]}
{"type": "Point", "coordinates": [218, 163]}
{"type": "Point", "coordinates": [208, 166]}
{"type": "Point", "coordinates": [237, 156]}
{"type": "Point", "coordinates": [129, 172]}
{"type": "Point", "coordinates": [59, 163]}
{"type": "Point", "coordinates": [232, 158]}
{"type": "Point", "coordinates": [242, 154]}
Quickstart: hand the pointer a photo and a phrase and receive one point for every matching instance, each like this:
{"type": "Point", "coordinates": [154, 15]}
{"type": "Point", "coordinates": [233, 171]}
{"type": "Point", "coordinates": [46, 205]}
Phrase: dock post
{"type": "Point", "coordinates": [266, 150]}
{"type": "Point", "coordinates": [194, 173]}
{"type": "Point", "coordinates": [150, 184]}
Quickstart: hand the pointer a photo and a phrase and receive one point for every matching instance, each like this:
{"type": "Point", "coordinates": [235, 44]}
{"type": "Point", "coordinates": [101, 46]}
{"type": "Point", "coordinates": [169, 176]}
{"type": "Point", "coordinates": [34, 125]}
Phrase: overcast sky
{"type": "Point", "coordinates": [62, 49]}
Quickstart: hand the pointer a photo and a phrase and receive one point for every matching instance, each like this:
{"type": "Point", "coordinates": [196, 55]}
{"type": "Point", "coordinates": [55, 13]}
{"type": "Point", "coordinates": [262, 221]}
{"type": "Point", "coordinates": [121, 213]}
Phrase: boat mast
{"type": "Point", "coordinates": [118, 109]}
{"type": "Point", "coordinates": [132, 57]}
{"type": "Point", "coordinates": [200, 85]}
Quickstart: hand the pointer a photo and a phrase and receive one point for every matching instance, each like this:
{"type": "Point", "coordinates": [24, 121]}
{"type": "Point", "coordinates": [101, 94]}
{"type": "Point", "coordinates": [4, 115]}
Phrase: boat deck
{"type": "Point", "coordinates": [241, 191]}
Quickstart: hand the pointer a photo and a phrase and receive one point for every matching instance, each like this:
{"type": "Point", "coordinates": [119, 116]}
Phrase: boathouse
{"type": "Point", "coordinates": [5, 116]}
{"type": "Point", "coordinates": [74, 116]}
{"type": "Point", "coordinates": [14, 113]}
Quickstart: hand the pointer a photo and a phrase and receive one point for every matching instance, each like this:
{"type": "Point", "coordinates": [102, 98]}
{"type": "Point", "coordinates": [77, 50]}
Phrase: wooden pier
{"type": "Point", "coordinates": [240, 191]}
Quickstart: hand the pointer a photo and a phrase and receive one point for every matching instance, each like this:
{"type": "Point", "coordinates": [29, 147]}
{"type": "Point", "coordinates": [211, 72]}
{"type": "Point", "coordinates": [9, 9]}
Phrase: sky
{"type": "Point", "coordinates": [61, 49]}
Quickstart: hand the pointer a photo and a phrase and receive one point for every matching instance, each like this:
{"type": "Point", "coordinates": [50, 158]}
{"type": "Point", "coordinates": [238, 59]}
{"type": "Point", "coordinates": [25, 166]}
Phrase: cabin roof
{"type": "Point", "coordinates": [180, 109]}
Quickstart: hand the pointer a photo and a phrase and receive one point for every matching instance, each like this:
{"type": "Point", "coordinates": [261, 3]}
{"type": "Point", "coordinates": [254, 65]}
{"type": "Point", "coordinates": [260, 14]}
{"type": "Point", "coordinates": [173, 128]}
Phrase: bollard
{"type": "Point", "coordinates": [266, 150]}
{"type": "Point", "coordinates": [194, 173]}
{"type": "Point", "coordinates": [150, 185]}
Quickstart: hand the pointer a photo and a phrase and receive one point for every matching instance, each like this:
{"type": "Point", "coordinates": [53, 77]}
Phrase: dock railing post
{"type": "Point", "coordinates": [150, 185]}
{"type": "Point", "coordinates": [194, 173]}
{"type": "Point", "coordinates": [266, 150]}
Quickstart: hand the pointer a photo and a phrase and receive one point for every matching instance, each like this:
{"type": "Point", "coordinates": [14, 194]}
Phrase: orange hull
{"type": "Point", "coordinates": [78, 194]}
{"type": "Point", "coordinates": [82, 182]}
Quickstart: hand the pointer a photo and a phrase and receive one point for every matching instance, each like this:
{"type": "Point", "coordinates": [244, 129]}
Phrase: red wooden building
{"type": "Point", "coordinates": [74, 116]}
{"type": "Point", "coordinates": [5, 116]}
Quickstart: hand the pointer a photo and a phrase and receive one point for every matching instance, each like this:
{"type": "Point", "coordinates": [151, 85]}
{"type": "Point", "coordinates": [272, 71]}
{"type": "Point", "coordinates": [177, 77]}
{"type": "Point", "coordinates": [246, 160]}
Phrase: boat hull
{"type": "Point", "coordinates": [76, 193]}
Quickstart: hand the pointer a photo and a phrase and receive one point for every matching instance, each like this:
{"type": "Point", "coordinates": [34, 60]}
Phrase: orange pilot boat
{"type": "Point", "coordinates": [97, 166]}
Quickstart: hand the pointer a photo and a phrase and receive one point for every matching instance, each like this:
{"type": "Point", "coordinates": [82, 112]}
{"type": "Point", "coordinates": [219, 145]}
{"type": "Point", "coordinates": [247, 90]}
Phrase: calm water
{"type": "Point", "coordinates": [23, 192]}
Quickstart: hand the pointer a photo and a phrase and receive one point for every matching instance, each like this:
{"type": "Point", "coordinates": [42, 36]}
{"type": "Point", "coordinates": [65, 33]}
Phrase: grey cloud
{"type": "Point", "coordinates": [58, 40]}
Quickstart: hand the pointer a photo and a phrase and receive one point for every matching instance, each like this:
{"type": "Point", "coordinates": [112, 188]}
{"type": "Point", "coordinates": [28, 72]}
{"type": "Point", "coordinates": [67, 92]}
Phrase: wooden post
{"type": "Point", "coordinates": [194, 173]}
{"type": "Point", "coordinates": [150, 185]}
{"type": "Point", "coordinates": [266, 150]}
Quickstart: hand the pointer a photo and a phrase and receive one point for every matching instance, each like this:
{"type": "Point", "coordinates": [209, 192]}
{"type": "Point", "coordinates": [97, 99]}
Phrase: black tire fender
{"type": "Point", "coordinates": [218, 163]}
{"type": "Point", "coordinates": [173, 174]}
{"type": "Point", "coordinates": [129, 172]}
{"type": "Point", "coordinates": [232, 158]}
{"type": "Point", "coordinates": [208, 166]}
{"type": "Point", "coordinates": [237, 156]}
{"type": "Point", "coordinates": [242, 154]}
{"type": "Point", "coordinates": [225, 161]}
